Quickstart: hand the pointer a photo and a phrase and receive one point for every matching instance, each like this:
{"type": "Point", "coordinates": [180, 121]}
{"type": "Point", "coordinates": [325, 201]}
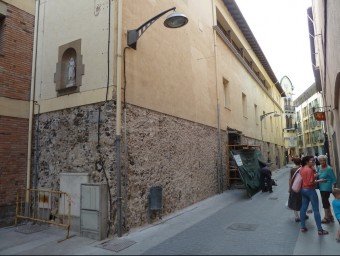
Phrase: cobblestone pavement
{"type": "Point", "coordinates": [230, 223]}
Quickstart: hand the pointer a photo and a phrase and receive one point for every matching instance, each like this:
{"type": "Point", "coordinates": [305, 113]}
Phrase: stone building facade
{"type": "Point", "coordinates": [324, 27]}
{"type": "Point", "coordinates": [166, 151]}
{"type": "Point", "coordinates": [169, 104]}
{"type": "Point", "coordinates": [310, 132]}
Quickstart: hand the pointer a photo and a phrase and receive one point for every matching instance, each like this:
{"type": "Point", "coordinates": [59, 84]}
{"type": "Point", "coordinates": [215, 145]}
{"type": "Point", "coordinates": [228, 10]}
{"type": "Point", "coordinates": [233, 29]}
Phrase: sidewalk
{"type": "Point", "coordinates": [46, 242]}
{"type": "Point", "coordinates": [185, 228]}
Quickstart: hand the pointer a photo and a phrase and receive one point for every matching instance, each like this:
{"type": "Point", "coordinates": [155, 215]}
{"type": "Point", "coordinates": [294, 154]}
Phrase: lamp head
{"type": "Point", "coordinates": [276, 115]}
{"type": "Point", "coordinates": [176, 20]}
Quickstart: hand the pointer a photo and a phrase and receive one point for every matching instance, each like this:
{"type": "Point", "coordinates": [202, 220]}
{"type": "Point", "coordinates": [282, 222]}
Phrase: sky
{"type": "Point", "coordinates": [281, 29]}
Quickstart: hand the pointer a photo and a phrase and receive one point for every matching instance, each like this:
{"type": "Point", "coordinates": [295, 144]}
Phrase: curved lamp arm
{"type": "Point", "coordinates": [134, 34]}
{"type": "Point", "coordinates": [266, 114]}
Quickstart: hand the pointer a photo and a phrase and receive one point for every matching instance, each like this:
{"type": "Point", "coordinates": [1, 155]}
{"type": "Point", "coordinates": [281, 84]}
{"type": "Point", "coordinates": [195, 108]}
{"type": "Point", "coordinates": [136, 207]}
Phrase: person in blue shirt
{"type": "Point", "coordinates": [325, 172]}
{"type": "Point", "coordinates": [336, 209]}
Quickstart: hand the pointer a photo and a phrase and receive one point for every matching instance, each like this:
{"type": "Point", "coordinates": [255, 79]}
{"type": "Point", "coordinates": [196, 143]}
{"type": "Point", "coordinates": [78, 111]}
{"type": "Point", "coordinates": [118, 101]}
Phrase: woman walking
{"type": "Point", "coordinates": [295, 198]}
{"type": "Point", "coordinates": [309, 194]}
{"type": "Point", "coordinates": [326, 172]}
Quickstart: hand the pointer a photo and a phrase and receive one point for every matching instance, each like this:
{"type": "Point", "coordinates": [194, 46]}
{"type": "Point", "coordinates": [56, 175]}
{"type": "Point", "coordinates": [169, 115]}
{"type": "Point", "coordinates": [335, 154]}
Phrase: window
{"type": "Point", "coordinates": [256, 115]}
{"type": "Point", "coordinates": [226, 93]}
{"type": "Point", "coordinates": [244, 105]}
{"type": "Point", "coordinates": [264, 121]}
{"type": "Point", "coordinates": [271, 124]}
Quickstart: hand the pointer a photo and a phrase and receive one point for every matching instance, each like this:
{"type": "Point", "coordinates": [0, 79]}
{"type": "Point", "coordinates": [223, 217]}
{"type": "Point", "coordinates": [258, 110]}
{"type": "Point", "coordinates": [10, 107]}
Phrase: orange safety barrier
{"type": "Point", "coordinates": [45, 206]}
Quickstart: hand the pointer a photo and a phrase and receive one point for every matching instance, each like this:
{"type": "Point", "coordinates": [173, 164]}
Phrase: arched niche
{"type": "Point", "coordinates": [69, 69]}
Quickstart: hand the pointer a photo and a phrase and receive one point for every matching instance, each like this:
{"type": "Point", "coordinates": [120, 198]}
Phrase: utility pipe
{"type": "Point", "coordinates": [32, 97]}
{"type": "Point", "coordinates": [219, 156]}
{"type": "Point", "coordinates": [118, 115]}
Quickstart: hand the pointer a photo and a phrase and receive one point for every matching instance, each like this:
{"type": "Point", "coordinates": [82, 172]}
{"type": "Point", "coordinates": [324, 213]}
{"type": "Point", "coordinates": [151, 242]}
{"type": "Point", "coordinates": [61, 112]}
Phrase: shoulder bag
{"type": "Point", "coordinates": [297, 181]}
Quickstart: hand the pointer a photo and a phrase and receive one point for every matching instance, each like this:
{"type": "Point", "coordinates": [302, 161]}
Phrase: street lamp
{"type": "Point", "coordinates": [263, 117]}
{"type": "Point", "coordinates": [174, 20]}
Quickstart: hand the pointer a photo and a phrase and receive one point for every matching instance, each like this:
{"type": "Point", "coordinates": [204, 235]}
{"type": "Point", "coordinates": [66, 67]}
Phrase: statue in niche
{"type": "Point", "coordinates": [71, 72]}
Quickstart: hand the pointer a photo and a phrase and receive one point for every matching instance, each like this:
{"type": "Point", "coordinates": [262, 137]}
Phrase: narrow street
{"type": "Point", "coordinates": [261, 225]}
{"type": "Point", "coordinates": [226, 224]}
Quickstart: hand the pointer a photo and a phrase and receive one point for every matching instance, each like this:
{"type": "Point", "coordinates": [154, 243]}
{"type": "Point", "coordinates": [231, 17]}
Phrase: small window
{"type": "Point", "coordinates": [256, 115]}
{"type": "Point", "coordinates": [271, 124]}
{"type": "Point", "coordinates": [264, 121]}
{"type": "Point", "coordinates": [244, 105]}
{"type": "Point", "coordinates": [226, 93]}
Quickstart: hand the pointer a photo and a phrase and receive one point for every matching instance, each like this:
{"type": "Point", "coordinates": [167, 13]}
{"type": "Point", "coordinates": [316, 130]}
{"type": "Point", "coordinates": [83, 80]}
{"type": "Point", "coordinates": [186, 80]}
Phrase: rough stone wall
{"type": "Point", "coordinates": [67, 141]}
{"type": "Point", "coordinates": [178, 155]}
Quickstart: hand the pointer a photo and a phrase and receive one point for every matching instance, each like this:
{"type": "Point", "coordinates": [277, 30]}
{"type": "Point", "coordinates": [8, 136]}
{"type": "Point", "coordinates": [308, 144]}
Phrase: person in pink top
{"type": "Point", "coordinates": [309, 194]}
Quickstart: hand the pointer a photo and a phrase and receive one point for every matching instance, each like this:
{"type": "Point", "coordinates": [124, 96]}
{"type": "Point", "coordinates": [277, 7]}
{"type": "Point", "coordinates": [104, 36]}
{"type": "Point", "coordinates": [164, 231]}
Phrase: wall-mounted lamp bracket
{"type": "Point", "coordinates": [174, 20]}
{"type": "Point", "coordinates": [325, 107]}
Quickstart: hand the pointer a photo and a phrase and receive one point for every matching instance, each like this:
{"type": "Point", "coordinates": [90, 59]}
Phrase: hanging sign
{"type": "Point", "coordinates": [320, 116]}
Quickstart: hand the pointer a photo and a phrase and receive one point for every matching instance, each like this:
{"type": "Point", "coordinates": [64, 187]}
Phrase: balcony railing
{"type": "Point", "coordinates": [289, 108]}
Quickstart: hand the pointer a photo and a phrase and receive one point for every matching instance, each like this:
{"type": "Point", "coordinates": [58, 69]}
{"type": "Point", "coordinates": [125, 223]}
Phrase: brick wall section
{"type": "Point", "coordinates": [16, 54]}
{"type": "Point", "coordinates": [13, 162]}
{"type": "Point", "coordinates": [16, 49]}
{"type": "Point", "coordinates": [179, 155]}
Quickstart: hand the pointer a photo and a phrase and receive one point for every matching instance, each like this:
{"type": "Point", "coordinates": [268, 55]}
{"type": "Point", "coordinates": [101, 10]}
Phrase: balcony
{"type": "Point", "coordinates": [289, 108]}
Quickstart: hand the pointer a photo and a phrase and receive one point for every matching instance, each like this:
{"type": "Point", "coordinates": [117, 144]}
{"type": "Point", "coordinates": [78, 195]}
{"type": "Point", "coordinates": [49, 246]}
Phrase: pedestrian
{"type": "Point", "coordinates": [316, 157]}
{"type": "Point", "coordinates": [309, 194]}
{"type": "Point", "coordinates": [265, 177]}
{"type": "Point", "coordinates": [336, 209]}
{"type": "Point", "coordinates": [326, 172]}
{"type": "Point", "coordinates": [295, 198]}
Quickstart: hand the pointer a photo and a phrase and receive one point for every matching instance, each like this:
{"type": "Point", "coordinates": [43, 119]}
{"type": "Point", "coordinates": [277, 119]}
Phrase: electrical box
{"type": "Point", "coordinates": [93, 211]}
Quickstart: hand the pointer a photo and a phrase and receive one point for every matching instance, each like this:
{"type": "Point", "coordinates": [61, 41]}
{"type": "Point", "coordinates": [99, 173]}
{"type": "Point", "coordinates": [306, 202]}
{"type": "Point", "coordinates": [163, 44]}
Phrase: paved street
{"type": "Point", "coordinates": [229, 223]}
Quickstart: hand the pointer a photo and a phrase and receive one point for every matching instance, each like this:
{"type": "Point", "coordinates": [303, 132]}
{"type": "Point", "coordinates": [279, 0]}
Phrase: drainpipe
{"type": "Point", "coordinates": [219, 156]}
{"type": "Point", "coordinates": [118, 115]}
{"type": "Point", "coordinates": [31, 107]}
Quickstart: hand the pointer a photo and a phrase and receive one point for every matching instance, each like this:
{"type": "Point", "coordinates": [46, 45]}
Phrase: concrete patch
{"type": "Point", "coordinates": [243, 227]}
{"type": "Point", "coordinates": [117, 245]}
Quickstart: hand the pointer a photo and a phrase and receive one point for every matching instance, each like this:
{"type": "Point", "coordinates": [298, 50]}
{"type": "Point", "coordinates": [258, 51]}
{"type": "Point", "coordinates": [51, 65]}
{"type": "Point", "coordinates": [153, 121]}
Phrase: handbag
{"type": "Point", "coordinates": [297, 183]}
